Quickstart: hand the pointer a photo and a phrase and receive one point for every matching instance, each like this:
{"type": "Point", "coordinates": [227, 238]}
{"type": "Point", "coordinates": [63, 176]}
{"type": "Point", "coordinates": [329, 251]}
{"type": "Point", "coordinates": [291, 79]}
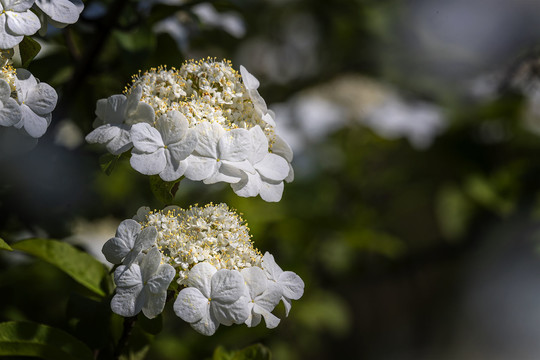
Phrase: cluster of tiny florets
{"type": "Point", "coordinates": [213, 234]}
{"type": "Point", "coordinates": [206, 90]}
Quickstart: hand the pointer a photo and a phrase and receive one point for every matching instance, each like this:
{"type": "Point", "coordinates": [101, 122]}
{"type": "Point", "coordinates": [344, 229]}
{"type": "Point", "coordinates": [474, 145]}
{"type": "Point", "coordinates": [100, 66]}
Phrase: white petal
{"type": "Point", "coordinates": [191, 305]}
{"type": "Point", "coordinates": [250, 81]}
{"type": "Point", "coordinates": [200, 168]}
{"type": "Point", "coordinates": [259, 145]}
{"type": "Point", "coordinates": [102, 134]}
{"type": "Point", "coordinates": [42, 99]}
{"type": "Point", "coordinates": [271, 269]}
{"type": "Point", "coordinates": [34, 124]}
{"type": "Point", "coordinates": [207, 325]}
{"type": "Point", "coordinates": [231, 313]}
{"type": "Point", "coordinates": [173, 169]}
{"type": "Point", "coordinates": [287, 303]}
{"type": "Point", "coordinates": [200, 277]}
{"type": "Point", "coordinates": [62, 11]}
{"type": "Point", "coordinates": [248, 186]}
{"type": "Point", "coordinates": [255, 280]}
{"type": "Point", "coordinates": [161, 279]}
{"type": "Point", "coordinates": [146, 238]}
{"type": "Point", "coordinates": [227, 172]}
{"type": "Point", "coordinates": [183, 147]}
{"type": "Point", "coordinates": [291, 284]}
{"type": "Point", "coordinates": [126, 302]}
{"type": "Point", "coordinates": [234, 145]}
{"type": "Point", "coordinates": [10, 112]}
{"type": "Point", "coordinates": [267, 118]}
{"type": "Point", "coordinates": [7, 40]}
{"type": "Point", "coordinates": [149, 264]}
{"type": "Point", "coordinates": [113, 109]}
{"type": "Point", "coordinates": [273, 167]}
{"type": "Point", "coordinates": [145, 138]}
{"type": "Point", "coordinates": [253, 319]}
{"type": "Point", "coordinates": [227, 286]}
{"type": "Point", "coordinates": [281, 148]}
{"type": "Point", "coordinates": [121, 142]}
{"type": "Point", "coordinates": [22, 23]}
{"type": "Point", "coordinates": [128, 229]}
{"type": "Point", "coordinates": [271, 192]}
{"type": "Point", "coordinates": [270, 319]}
{"type": "Point", "coordinates": [154, 304]}
{"type": "Point", "coordinates": [172, 126]}
{"type": "Point", "coordinates": [17, 5]}
{"type": "Point", "coordinates": [143, 113]}
{"type": "Point", "coordinates": [127, 277]}
{"type": "Point", "coordinates": [148, 164]}
{"type": "Point", "coordinates": [208, 135]}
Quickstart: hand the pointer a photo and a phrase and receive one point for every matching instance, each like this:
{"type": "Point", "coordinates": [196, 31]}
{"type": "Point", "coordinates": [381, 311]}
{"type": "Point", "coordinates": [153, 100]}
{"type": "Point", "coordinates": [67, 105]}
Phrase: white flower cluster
{"type": "Point", "coordinates": [209, 252]}
{"type": "Point", "coordinates": [204, 121]}
{"type": "Point", "coordinates": [17, 18]}
{"type": "Point", "coordinates": [26, 103]}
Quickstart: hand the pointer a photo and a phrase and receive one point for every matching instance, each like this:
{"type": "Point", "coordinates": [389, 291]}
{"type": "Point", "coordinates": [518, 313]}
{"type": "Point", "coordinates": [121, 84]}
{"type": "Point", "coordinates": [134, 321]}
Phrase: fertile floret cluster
{"type": "Point", "coordinates": [204, 121]}
{"type": "Point", "coordinates": [208, 250]}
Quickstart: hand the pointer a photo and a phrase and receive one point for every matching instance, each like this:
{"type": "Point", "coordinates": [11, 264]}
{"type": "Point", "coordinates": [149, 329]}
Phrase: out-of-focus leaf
{"type": "Point", "coordinates": [28, 48]}
{"type": "Point", "coordinates": [454, 211]}
{"type": "Point", "coordinates": [253, 352]}
{"type": "Point", "coordinates": [44, 342]}
{"type": "Point", "coordinates": [137, 40]}
{"type": "Point", "coordinates": [4, 245]}
{"type": "Point", "coordinates": [108, 162]}
{"type": "Point", "coordinates": [80, 266]}
{"type": "Point", "coordinates": [164, 191]}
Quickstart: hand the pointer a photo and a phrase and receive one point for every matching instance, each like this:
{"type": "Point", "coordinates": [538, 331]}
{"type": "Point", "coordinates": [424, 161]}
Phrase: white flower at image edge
{"type": "Point", "coordinates": [271, 170]}
{"type": "Point", "coordinates": [163, 149]}
{"type": "Point", "coordinates": [37, 101]}
{"type": "Point", "coordinates": [142, 286]}
{"type": "Point", "coordinates": [115, 117]}
{"type": "Point", "coordinates": [264, 295]}
{"type": "Point", "coordinates": [16, 20]}
{"type": "Point", "coordinates": [291, 285]}
{"type": "Point", "coordinates": [212, 298]}
{"type": "Point", "coordinates": [219, 155]}
{"type": "Point", "coordinates": [59, 12]}
{"type": "Point", "coordinates": [10, 112]}
{"type": "Point", "coordinates": [128, 243]}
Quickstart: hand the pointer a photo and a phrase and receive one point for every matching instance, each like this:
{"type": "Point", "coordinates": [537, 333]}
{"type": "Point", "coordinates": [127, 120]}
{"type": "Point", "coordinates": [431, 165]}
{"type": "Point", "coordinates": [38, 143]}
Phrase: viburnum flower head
{"type": "Point", "coordinates": [224, 109]}
{"type": "Point", "coordinates": [221, 275]}
{"type": "Point", "coordinates": [16, 20]}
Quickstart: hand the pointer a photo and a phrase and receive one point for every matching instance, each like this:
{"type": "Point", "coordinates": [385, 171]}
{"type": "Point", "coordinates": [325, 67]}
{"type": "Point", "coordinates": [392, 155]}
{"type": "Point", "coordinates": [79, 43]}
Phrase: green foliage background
{"type": "Point", "coordinates": [397, 246]}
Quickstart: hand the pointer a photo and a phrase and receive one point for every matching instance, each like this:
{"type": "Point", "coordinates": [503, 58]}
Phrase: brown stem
{"type": "Point", "coordinates": [129, 323]}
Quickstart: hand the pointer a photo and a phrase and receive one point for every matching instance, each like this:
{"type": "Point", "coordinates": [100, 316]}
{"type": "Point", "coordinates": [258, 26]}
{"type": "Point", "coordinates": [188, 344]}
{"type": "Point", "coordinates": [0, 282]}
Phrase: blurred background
{"type": "Point", "coordinates": [414, 215]}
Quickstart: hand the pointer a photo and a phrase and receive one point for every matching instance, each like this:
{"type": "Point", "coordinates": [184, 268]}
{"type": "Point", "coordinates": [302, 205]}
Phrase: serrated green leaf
{"type": "Point", "coordinates": [37, 340]}
{"type": "Point", "coordinates": [80, 266]}
{"type": "Point", "coordinates": [164, 191]}
{"type": "Point", "coordinates": [108, 162]}
{"type": "Point", "coordinates": [28, 48]}
{"type": "Point", "coordinates": [4, 245]}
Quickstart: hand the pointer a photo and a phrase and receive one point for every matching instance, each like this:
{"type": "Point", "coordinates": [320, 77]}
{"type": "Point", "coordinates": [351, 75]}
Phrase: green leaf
{"type": "Point", "coordinates": [108, 162]}
{"type": "Point", "coordinates": [36, 340]}
{"type": "Point", "coordinates": [164, 191]}
{"type": "Point", "coordinates": [253, 352]}
{"type": "Point", "coordinates": [80, 266]}
{"type": "Point", "coordinates": [4, 245]}
{"type": "Point", "coordinates": [28, 48]}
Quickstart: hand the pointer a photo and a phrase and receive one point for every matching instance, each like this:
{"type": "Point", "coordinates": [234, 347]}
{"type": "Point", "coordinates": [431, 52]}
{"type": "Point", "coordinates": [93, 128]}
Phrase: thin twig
{"type": "Point", "coordinates": [129, 323]}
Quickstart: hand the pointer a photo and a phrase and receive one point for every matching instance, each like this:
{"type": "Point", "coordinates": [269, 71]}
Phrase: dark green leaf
{"type": "Point", "coordinates": [108, 162]}
{"type": "Point", "coordinates": [82, 267]}
{"type": "Point", "coordinates": [164, 191]}
{"type": "Point", "coordinates": [4, 245]}
{"type": "Point", "coordinates": [44, 342]}
{"type": "Point", "coordinates": [28, 48]}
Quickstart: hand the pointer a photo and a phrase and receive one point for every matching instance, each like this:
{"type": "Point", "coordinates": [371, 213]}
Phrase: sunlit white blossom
{"type": "Point", "coordinates": [37, 100]}
{"type": "Point", "coordinates": [263, 295]}
{"type": "Point", "coordinates": [163, 149]}
{"type": "Point", "coordinates": [115, 117]}
{"type": "Point", "coordinates": [16, 20]}
{"type": "Point", "coordinates": [291, 285]}
{"type": "Point", "coordinates": [128, 243]}
{"type": "Point", "coordinates": [142, 286]}
{"type": "Point", "coordinates": [212, 298]}
{"type": "Point", "coordinates": [10, 113]}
